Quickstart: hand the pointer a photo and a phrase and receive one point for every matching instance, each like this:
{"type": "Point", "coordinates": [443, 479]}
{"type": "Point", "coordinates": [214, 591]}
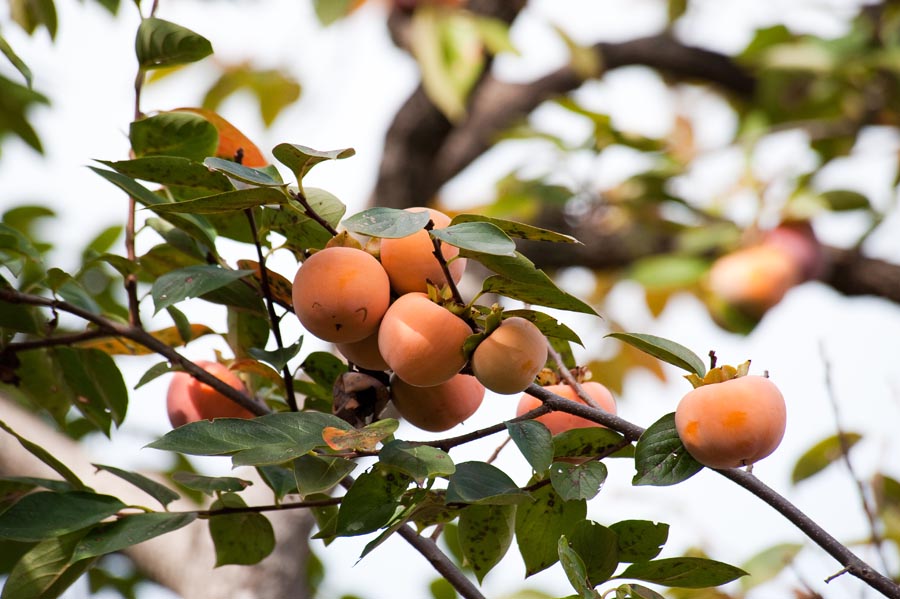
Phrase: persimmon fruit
{"type": "Point", "coordinates": [364, 353]}
{"type": "Point", "coordinates": [559, 422]}
{"type": "Point", "coordinates": [733, 423]}
{"type": "Point", "coordinates": [798, 241]}
{"type": "Point", "coordinates": [422, 341]}
{"type": "Point", "coordinates": [755, 278]}
{"type": "Point", "coordinates": [508, 359]}
{"type": "Point", "coordinates": [190, 400]}
{"type": "Point", "coordinates": [440, 407]}
{"type": "Point", "coordinates": [410, 261]}
{"type": "Point", "coordinates": [340, 294]}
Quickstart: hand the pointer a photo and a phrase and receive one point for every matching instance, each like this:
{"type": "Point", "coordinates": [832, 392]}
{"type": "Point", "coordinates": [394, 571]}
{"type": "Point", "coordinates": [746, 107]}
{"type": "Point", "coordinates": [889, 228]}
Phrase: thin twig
{"type": "Point", "coordinates": [70, 339]}
{"type": "Point", "coordinates": [270, 307]}
{"type": "Point", "coordinates": [569, 379]}
{"type": "Point", "coordinates": [301, 197]}
{"type": "Point", "coordinates": [258, 509]}
{"type": "Point", "coordinates": [445, 268]}
{"type": "Point", "coordinates": [497, 451]}
{"type": "Point", "coordinates": [141, 337]}
{"type": "Point", "coordinates": [450, 442]}
{"type": "Point", "coordinates": [440, 562]}
{"type": "Point", "coordinates": [877, 540]}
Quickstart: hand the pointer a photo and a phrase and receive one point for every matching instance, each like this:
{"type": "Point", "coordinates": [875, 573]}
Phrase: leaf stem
{"type": "Point", "coordinates": [308, 209]}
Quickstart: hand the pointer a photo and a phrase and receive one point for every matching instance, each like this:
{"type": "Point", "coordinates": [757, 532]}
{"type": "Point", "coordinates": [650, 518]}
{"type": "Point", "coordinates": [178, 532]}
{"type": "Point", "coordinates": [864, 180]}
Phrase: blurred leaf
{"type": "Point", "coordinates": [274, 89]}
{"type": "Point", "coordinates": [547, 324]}
{"type": "Point", "coordinates": [48, 459]}
{"type": "Point", "coordinates": [161, 43]}
{"type": "Point", "coordinates": [494, 34]}
{"type": "Point", "coordinates": [387, 223]}
{"type": "Point", "coordinates": [44, 514]}
{"type": "Point", "coordinates": [840, 200]}
{"type": "Point", "coordinates": [540, 523]}
{"type": "Point", "coordinates": [329, 11]}
{"type": "Point", "coordinates": [534, 441]}
{"type": "Point", "coordinates": [171, 336]}
{"type": "Point", "coordinates": [821, 455]}
{"type": "Point", "coordinates": [14, 59]}
{"type": "Point", "coordinates": [301, 159]}
{"type": "Point", "coordinates": [229, 201]}
{"type": "Point", "coordinates": [640, 540]}
{"type": "Point", "coordinates": [324, 368]}
{"type": "Point", "coordinates": [419, 462]}
{"type": "Point", "coordinates": [210, 485]}
{"type": "Point", "coordinates": [668, 271]}
{"type": "Point", "coordinates": [179, 134]}
{"type": "Point", "coordinates": [485, 534]}
{"type": "Point", "coordinates": [253, 176]}
{"type": "Point", "coordinates": [597, 546]}
{"type": "Point", "coordinates": [575, 569]}
{"type": "Point", "coordinates": [192, 281]}
{"type": "Point", "coordinates": [479, 482]}
{"type": "Point", "coordinates": [683, 572]}
{"type": "Point", "coordinates": [768, 563]}
{"type": "Point", "coordinates": [660, 457]}
{"type": "Point", "coordinates": [31, 14]}
{"type": "Point", "coordinates": [440, 588]}
{"type": "Point", "coordinates": [157, 491]}
{"type": "Point", "coordinates": [319, 474]}
{"type": "Point", "coordinates": [129, 530]}
{"type": "Point", "coordinates": [15, 103]}
{"type": "Point", "coordinates": [478, 238]}
{"type": "Point", "coordinates": [667, 351]}
{"type": "Point", "coordinates": [46, 570]}
{"type": "Point", "coordinates": [677, 8]}
{"type": "Point", "coordinates": [578, 481]}
{"type": "Point", "coordinates": [371, 502]}
{"type": "Point", "coordinates": [244, 538]}
{"type": "Point", "coordinates": [516, 229]}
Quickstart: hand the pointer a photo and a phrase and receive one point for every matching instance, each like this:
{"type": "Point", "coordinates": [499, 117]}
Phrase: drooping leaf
{"type": "Point", "coordinates": [48, 459]}
{"type": "Point", "coordinates": [171, 336]}
{"type": "Point", "coordinates": [387, 223]}
{"type": "Point", "coordinates": [324, 368]}
{"type": "Point", "coordinates": [477, 237]}
{"type": "Point", "coordinates": [534, 441]}
{"type": "Point", "coordinates": [192, 281]}
{"type": "Point", "coordinates": [768, 563]}
{"type": "Point", "coordinates": [174, 134]}
{"type": "Point", "coordinates": [319, 474]}
{"type": "Point", "coordinates": [574, 568]}
{"type": "Point", "coordinates": [172, 171]}
{"type": "Point", "coordinates": [586, 442]}
{"type": "Point", "coordinates": [547, 324]}
{"type": "Point", "coordinates": [660, 457]}
{"type": "Point", "coordinates": [127, 531]}
{"type": "Point", "coordinates": [479, 482]}
{"type": "Point", "coordinates": [301, 159]}
{"type": "Point", "coordinates": [157, 491]}
{"type": "Point", "coordinates": [31, 14]}
{"type": "Point", "coordinates": [683, 572]}
{"type": "Point", "coordinates": [16, 102]}
{"type": "Point", "coordinates": [597, 546]}
{"type": "Point", "coordinates": [329, 11]}
{"type": "Point", "coordinates": [279, 286]}
{"type": "Point", "coordinates": [417, 461]}
{"type": "Point", "coordinates": [226, 202]}
{"type": "Point", "coordinates": [278, 358]}
{"type": "Point", "coordinates": [242, 538]}
{"type": "Point", "coordinates": [821, 455]}
{"type": "Point", "coordinates": [640, 540]}
{"type": "Point", "coordinates": [46, 570]}
{"type": "Point", "coordinates": [665, 350]}
{"type": "Point", "coordinates": [14, 59]}
{"type": "Point", "coordinates": [95, 378]}
{"type": "Point", "coordinates": [246, 174]}
{"type": "Point", "coordinates": [45, 514]}
{"type": "Point", "coordinates": [485, 534]}
{"type": "Point", "coordinates": [210, 485]}
{"type": "Point", "coordinates": [371, 502]}
{"type": "Point", "coordinates": [364, 439]}
{"type": "Point", "coordinates": [540, 523]}
{"type": "Point", "coordinates": [578, 481]}
{"type": "Point", "coordinates": [516, 229]}
{"type": "Point", "coordinates": [161, 43]}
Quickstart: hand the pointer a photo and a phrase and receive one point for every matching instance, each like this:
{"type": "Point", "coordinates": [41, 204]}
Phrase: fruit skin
{"type": "Point", "coordinates": [422, 341]}
{"type": "Point", "coordinates": [559, 422]}
{"type": "Point", "coordinates": [364, 353]}
{"type": "Point", "coordinates": [189, 400]}
{"type": "Point", "coordinates": [510, 357]}
{"type": "Point", "coordinates": [437, 408]}
{"type": "Point", "coordinates": [798, 240]}
{"type": "Point", "coordinates": [733, 423]}
{"type": "Point", "coordinates": [754, 278]}
{"type": "Point", "coordinates": [410, 262]}
{"type": "Point", "coordinates": [340, 294]}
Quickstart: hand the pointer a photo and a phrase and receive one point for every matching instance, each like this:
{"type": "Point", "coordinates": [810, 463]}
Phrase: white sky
{"type": "Point", "coordinates": [353, 82]}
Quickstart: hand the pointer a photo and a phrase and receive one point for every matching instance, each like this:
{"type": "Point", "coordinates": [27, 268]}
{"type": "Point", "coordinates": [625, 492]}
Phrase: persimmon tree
{"type": "Point", "coordinates": [205, 213]}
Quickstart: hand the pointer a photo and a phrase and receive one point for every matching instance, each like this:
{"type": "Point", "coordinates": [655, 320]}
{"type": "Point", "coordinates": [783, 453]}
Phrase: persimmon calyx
{"type": "Point", "coordinates": [720, 374]}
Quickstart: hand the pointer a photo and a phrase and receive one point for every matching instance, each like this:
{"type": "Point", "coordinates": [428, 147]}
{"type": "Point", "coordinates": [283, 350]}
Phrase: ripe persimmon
{"type": "Point", "coordinates": [364, 353]}
{"type": "Point", "coordinates": [559, 422]}
{"type": "Point", "coordinates": [798, 240]}
{"type": "Point", "coordinates": [440, 407]}
{"type": "Point", "coordinates": [410, 261]}
{"type": "Point", "coordinates": [508, 359]}
{"type": "Point", "coordinates": [340, 294]}
{"type": "Point", "coordinates": [421, 341]}
{"type": "Point", "coordinates": [189, 400]}
{"type": "Point", "coordinates": [733, 423]}
{"type": "Point", "coordinates": [755, 278]}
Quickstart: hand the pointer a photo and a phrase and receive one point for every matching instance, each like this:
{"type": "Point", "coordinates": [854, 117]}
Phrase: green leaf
{"type": "Point", "coordinates": [245, 538]}
{"type": "Point", "coordinates": [329, 11]}
{"type": "Point", "coordinates": [210, 485]}
{"type": "Point", "coordinates": [371, 502]}
{"type": "Point", "coordinates": [323, 368]}
{"type": "Point", "coordinates": [229, 201]}
{"type": "Point", "coordinates": [280, 479]}
{"type": "Point", "coordinates": [16, 102]}
{"type": "Point", "coordinates": [419, 462]}
{"type": "Point", "coordinates": [769, 563]}
{"type": "Point", "coordinates": [172, 171]}
{"type": "Point", "coordinates": [127, 531]}
{"type": "Point", "coordinates": [45, 456]}
{"type": "Point", "coordinates": [640, 540]}
{"type": "Point", "coordinates": [479, 482]}
{"type": "Point", "coordinates": [660, 457]}
{"type": "Point", "coordinates": [278, 358]}
{"type": "Point", "coordinates": [31, 14]}
{"type": "Point", "coordinates": [597, 546]}
{"type": "Point", "coordinates": [585, 442]}
{"type": "Point", "coordinates": [301, 159]}
{"type": "Point", "coordinates": [318, 474]}
{"type": "Point", "coordinates": [581, 481]}
{"type": "Point", "coordinates": [547, 324]}
{"type": "Point", "coordinates": [44, 514]}
{"type": "Point", "coordinates": [534, 441]}
{"type": "Point", "coordinates": [157, 491]}
{"type": "Point", "coordinates": [516, 229]}
{"type": "Point", "coordinates": [192, 281]}
{"type": "Point", "coordinates": [300, 231]}
{"type": "Point", "coordinates": [540, 523]}
{"type": "Point", "coordinates": [485, 534]}
{"type": "Point", "coordinates": [46, 570]}
{"type": "Point", "coordinates": [254, 176]}
{"type": "Point", "coordinates": [17, 62]}
{"type": "Point", "coordinates": [479, 238]}
{"type": "Point", "coordinates": [667, 351]}
{"type": "Point", "coordinates": [574, 568]}
{"type": "Point", "coordinates": [274, 89]}
{"type": "Point", "coordinates": [95, 378]}
{"type": "Point", "coordinates": [668, 271]}
{"type": "Point", "coordinates": [840, 200]}
{"type": "Point", "coordinates": [821, 455]}
{"type": "Point", "coordinates": [683, 572]}
{"type": "Point", "coordinates": [326, 518]}
{"type": "Point", "coordinates": [387, 223]}
{"type": "Point", "coordinates": [155, 371]}
{"type": "Point", "coordinates": [160, 43]}
{"type": "Point", "coordinates": [181, 134]}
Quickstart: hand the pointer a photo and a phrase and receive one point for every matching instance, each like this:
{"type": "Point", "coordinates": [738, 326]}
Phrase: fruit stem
{"type": "Point", "coordinates": [445, 268]}
{"type": "Point", "coordinates": [712, 359]}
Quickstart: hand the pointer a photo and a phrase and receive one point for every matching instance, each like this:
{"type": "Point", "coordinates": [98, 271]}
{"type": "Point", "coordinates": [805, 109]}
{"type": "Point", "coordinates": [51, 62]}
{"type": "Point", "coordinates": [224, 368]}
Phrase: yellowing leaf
{"type": "Point", "coordinates": [364, 439]}
{"type": "Point", "coordinates": [279, 286]}
{"type": "Point", "coordinates": [121, 346]}
{"type": "Point", "coordinates": [230, 139]}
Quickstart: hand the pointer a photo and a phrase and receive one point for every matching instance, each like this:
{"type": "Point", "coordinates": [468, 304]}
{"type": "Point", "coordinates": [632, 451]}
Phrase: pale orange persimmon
{"type": "Point", "coordinates": [508, 359]}
{"type": "Point", "coordinates": [421, 341]}
{"type": "Point", "coordinates": [559, 422]}
{"type": "Point", "coordinates": [231, 139]}
{"type": "Point", "coordinates": [798, 240]}
{"type": "Point", "coordinates": [340, 294]}
{"type": "Point", "coordinates": [437, 408]}
{"type": "Point", "coordinates": [754, 278]}
{"type": "Point", "coordinates": [410, 261]}
{"type": "Point", "coordinates": [364, 353]}
{"type": "Point", "coordinates": [189, 400]}
{"type": "Point", "coordinates": [733, 423]}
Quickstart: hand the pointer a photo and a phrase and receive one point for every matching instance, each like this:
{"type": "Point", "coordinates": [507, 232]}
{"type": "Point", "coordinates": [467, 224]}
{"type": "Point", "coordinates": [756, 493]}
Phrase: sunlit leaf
{"type": "Point", "coordinates": [665, 350]}
{"type": "Point", "coordinates": [301, 159]}
{"type": "Point", "coordinates": [364, 439]}
{"type": "Point", "coordinates": [387, 223]}
{"type": "Point", "coordinates": [516, 229]}
{"type": "Point", "coordinates": [477, 237]}
{"type": "Point", "coordinates": [769, 563]}
{"type": "Point", "coordinates": [192, 281]}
